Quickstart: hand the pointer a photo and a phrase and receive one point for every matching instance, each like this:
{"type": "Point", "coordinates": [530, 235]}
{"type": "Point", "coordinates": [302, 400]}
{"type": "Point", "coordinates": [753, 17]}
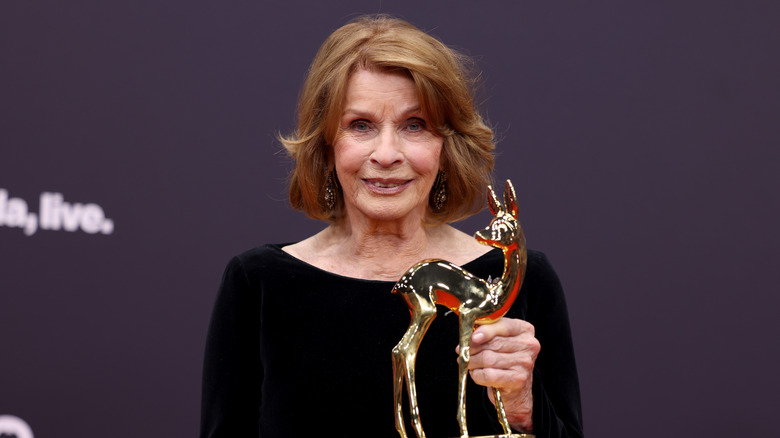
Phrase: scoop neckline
{"type": "Point", "coordinates": [279, 247]}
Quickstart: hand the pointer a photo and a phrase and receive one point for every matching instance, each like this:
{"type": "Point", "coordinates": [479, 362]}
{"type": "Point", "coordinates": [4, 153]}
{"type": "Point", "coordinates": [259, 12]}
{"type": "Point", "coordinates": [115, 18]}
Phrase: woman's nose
{"type": "Point", "coordinates": [387, 149]}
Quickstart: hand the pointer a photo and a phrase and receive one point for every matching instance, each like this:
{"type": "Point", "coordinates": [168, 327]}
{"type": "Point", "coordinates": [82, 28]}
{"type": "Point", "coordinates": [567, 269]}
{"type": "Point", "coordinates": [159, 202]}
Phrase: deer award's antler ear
{"type": "Point", "coordinates": [493, 203]}
{"type": "Point", "coordinates": [510, 199]}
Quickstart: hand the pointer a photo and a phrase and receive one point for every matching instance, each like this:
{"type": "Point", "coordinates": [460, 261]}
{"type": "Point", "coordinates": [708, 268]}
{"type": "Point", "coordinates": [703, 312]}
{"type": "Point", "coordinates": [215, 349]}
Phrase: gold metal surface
{"type": "Point", "coordinates": [511, 435]}
{"type": "Point", "coordinates": [435, 281]}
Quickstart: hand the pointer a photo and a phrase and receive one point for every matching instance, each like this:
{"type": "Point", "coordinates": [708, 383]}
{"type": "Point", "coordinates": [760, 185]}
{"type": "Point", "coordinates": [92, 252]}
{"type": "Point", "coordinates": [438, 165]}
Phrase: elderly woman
{"type": "Point", "coordinates": [389, 148]}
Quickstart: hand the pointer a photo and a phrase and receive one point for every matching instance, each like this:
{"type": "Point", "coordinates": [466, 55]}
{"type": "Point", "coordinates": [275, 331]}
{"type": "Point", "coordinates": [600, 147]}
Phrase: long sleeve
{"type": "Point", "coordinates": [557, 410]}
{"type": "Point", "coordinates": [232, 371]}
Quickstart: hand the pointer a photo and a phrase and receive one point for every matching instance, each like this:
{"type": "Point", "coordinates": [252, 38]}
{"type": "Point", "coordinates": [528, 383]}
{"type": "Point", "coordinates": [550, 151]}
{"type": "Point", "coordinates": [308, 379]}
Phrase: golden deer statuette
{"type": "Point", "coordinates": [433, 282]}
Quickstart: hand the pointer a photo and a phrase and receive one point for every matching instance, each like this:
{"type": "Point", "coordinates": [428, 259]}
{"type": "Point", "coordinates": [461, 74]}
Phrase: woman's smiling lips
{"type": "Point", "coordinates": [386, 186]}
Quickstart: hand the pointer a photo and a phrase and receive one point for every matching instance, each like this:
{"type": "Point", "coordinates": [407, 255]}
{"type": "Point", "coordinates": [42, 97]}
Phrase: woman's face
{"type": "Point", "coordinates": [386, 156]}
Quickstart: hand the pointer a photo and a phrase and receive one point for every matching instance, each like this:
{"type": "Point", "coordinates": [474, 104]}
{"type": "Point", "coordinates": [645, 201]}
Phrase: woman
{"type": "Point", "coordinates": [388, 149]}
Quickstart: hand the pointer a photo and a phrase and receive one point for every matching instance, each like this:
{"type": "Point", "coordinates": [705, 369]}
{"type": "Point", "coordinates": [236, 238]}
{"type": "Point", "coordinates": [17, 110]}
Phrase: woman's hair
{"type": "Point", "coordinates": [445, 90]}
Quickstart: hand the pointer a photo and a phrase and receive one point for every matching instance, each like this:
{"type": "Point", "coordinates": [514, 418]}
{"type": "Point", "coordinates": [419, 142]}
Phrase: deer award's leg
{"type": "Point", "coordinates": [414, 409]}
{"type": "Point", "coordinates": [423, 314]}
{"type": "Point", "coordinates": [399, 372]}
{"type": "Point", "coordinates": [501, 412]}
{"type": "Point", "coordinates": [467, 321]}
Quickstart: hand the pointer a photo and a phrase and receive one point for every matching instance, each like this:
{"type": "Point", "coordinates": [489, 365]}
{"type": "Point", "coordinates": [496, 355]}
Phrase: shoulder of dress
{"type": "Point", "coordinates": [537, 257]}
{"type": "Point", "coordinates": [262, 255]}
{"type": "Point", "coordinates": [539, 265]}
{"type": "Point", "coordinates": [496, 256]}
{"type": "Point", "coordinates": [262, 251]}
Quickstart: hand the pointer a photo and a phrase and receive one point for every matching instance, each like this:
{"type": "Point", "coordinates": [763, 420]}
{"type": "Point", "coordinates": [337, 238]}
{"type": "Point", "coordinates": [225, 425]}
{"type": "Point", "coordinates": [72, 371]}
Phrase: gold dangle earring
{"type": "Point", "coordinates": [439, 193]}
{"type": "Point", "coordinates": [330, 192]}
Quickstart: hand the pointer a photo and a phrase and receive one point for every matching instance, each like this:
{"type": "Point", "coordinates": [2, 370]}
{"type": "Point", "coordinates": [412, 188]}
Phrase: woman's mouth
{"type": "Point", "coordinates": [386, 185]}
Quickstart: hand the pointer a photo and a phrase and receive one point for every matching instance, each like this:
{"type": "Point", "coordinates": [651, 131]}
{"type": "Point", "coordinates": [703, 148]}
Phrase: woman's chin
{"type": "Point", "coordinates": [385, 210]}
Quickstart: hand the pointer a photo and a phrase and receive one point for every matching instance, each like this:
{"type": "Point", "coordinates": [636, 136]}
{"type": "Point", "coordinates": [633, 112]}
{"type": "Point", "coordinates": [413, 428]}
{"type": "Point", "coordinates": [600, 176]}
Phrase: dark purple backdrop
{"type": "Point", "coordinates": [642, 137]}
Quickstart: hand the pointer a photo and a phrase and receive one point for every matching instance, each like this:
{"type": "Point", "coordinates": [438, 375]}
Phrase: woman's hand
{"type": "Point", "coordinates": [503, 356]}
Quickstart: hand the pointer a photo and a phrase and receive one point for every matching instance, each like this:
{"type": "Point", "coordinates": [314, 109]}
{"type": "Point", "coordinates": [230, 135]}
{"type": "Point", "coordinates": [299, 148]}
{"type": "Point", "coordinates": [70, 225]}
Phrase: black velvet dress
{"type": "Point", "coordinates": [296, 351]}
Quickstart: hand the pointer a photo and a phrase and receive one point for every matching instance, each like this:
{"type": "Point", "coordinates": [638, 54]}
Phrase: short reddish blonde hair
{"type": "Point", "coordinates": [446, 94]}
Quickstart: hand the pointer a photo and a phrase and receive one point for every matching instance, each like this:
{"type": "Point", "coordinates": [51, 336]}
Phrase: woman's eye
{"type": "Point", "coordinates": [415, 125]}
{"type": "Point", "coordinates": [359, 125]}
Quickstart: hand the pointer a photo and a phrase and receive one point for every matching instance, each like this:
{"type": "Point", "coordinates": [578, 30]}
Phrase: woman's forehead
{"type": "Point", "coordinates": [370, 91]}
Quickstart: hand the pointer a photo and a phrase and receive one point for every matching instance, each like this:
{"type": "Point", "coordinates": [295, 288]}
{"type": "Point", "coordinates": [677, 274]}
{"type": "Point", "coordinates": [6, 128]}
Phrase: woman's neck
{"type": "Point", "coordinates": [381, 250]}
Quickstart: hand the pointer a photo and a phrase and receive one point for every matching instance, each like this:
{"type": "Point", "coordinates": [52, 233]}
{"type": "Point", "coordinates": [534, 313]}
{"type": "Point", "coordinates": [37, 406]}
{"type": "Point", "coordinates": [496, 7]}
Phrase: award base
{"type": "Point", "coordinates": [511, 435]}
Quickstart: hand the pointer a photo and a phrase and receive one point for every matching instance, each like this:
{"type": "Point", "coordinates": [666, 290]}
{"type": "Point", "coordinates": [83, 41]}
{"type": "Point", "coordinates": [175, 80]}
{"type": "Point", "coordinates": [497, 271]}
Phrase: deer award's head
{"type": "Point", "coordinates": [504, 230]}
